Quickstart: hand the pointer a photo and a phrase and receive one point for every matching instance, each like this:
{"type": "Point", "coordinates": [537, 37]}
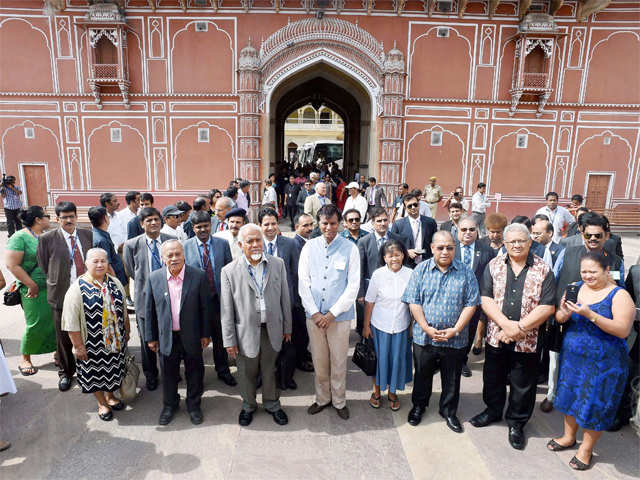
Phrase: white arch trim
{"type": "Point", "coordinates": [119, 124]}
{"type": "Point", "coordinates": [198, 124]}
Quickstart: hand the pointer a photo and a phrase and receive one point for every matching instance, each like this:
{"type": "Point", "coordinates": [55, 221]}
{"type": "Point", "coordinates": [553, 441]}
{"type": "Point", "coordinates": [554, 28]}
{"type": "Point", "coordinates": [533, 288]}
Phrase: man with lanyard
{"type": "Point", "coordinates": [210, 254]}
{"type": "Point", "coordinates": [559, 216]}
{"type": "Point", "coordinates": [141, 256]}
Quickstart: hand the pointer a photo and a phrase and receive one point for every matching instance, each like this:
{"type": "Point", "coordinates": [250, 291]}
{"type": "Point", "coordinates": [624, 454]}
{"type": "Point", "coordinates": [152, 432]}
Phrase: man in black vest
{"type": "Point", "coordinates": [567, 271]}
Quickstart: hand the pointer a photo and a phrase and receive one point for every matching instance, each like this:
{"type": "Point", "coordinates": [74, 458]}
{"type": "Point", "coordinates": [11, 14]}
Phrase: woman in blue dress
{"type": "Point", "coordinates": [594, 358]}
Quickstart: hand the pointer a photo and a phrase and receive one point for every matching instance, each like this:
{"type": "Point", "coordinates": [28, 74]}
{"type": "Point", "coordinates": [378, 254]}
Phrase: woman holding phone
{"type": "Point", "coordinates": [593, 365]}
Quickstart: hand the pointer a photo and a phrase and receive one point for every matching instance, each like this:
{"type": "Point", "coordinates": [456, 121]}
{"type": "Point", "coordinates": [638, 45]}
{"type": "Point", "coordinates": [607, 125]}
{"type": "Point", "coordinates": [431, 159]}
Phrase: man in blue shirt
{"type": "Point", "coordinates": [12, 203]}
{"type": "Point", "coordinates": [444, 291]}
{"type": "Point", "coordinates": [102, 239]}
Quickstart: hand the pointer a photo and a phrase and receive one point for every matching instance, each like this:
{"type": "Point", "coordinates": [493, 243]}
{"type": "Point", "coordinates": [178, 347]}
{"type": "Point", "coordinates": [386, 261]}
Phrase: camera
{"type": "Point", "coordinates": [8, 180]}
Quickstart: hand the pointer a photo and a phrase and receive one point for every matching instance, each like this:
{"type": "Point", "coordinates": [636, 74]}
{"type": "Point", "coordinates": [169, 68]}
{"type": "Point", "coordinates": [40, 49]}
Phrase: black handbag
{"type": "Point", "coordinates": [554, 335]}
{"type": "Point", "coordinates": [364, 356]}
{"type": "Point", "coordinates": [12, 294]}
{"type": "Point", "coordinates": [285, 364]}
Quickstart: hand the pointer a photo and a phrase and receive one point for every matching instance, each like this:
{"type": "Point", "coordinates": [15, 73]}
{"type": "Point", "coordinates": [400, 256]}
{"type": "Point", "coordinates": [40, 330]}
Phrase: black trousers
{"type": "Point", "coordinates": [299, 335]}
{"type": "Point", "coordinates": [359, 317]}
{"type": "Point", "coordinates": [193, 370]}
{"type": "Point", "coordinates": [523, 367]}
{"type": "Point", "coordinates": [149, 357]}
{"type": "Point", "coordinates": [473, 326]}
{"type": "Point", "coordinates": [291, 211]}
{"type": "Point", "coordinates": [426, 359]}
{"type": "Point", "coordinates": [13, 222]}
{"type": "Point", "coordinates": [220, 358]}
{"type": "Point", "coordinates": [64, 347]}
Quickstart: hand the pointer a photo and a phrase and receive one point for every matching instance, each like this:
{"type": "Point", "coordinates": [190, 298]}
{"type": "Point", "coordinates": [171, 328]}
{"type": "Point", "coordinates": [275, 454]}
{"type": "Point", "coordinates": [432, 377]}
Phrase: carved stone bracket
{"type": "Point", "coordinates": [545, 43]}
{"type": "Point", "coordinates": [96, 34]}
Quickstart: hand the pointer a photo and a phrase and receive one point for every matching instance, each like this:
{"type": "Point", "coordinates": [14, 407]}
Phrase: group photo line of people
{"type": "Point", "coordinates": [543, 297]}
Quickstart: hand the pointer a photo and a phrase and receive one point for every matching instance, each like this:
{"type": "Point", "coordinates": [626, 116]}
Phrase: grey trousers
{"type": "Point", "coordinates": [248, 369]}
{"type": "Point", "coordinates": [479, 219]}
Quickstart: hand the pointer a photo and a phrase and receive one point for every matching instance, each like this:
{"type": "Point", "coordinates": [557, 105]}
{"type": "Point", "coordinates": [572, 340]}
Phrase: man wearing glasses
{"type": "Point", "coordinates": [351, 223]}
{"type": "Point", "coordinates": [442, 295]}
{"type": "Point", "coordinates": [303, 194]}
{"type": "Point", "coordinates": [518, 295]}
{"type": "Point", "coordinates": [415, 231]}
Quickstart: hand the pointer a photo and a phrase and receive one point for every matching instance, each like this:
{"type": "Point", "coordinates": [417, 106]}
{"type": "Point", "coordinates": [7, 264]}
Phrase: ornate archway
{"type": "Point", "coordinates": [335, 46]}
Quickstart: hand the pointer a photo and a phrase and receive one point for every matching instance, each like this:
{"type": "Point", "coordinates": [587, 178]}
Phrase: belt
{"type": "Point", "coordinates": [479, 213]}
{"type": "Point", "coordinates": [263, 325]}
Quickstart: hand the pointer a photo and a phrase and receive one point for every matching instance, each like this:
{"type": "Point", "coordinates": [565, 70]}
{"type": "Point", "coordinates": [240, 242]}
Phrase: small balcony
{"type": "Point", "coordinates": [106, 72]}
{"type": "Point", "coordinates": [534, 81]}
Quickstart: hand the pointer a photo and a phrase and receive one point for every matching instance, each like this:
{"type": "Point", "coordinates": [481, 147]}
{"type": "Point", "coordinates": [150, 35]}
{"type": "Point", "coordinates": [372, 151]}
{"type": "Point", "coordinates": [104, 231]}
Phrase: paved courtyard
{"type": "Point", "coordinates": [59, 435]}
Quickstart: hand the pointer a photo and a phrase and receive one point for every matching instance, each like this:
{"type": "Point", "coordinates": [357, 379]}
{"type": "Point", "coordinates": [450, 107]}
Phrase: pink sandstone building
{"type": "Point", "coordinates": [175, 97]}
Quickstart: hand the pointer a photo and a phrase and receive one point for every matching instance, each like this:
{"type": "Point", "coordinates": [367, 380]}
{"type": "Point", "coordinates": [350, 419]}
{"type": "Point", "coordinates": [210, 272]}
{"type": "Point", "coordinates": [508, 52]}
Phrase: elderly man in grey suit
{"type": "Point", "coordinates": [256, 318]}
{"type": "Point", "coordinates": [210, 254]}
{"type": "Point", "coordinates": [313, 203]}
{"type": "Point", "coordinates": [141, 256]}
{"type": "Point", "coordinates": [176, 324]}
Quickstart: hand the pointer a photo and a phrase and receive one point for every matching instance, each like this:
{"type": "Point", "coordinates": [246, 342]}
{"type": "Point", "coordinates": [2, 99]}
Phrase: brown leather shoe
{"type": "Point", "coordinates": [343, 412]}
{"type": "Point", "coordinates": [546, 406]}
{"type": "Point", "coordinates": [315, 408]}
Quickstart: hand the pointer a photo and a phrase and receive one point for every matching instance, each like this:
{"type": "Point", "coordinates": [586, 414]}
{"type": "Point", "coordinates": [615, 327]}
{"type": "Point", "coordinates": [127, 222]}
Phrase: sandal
{"type": "Point", "coordinates": [4, 445]}
{"type": "Point", "coordinates": [554, 446]}
{"type": "Point", "coordinates": [27, 371]}
{"type": "Point", "coordinates": [374, 401]}
{"type": "Point", "coordinates": [107, 417]}
{"type": "Point", "coordinates": [117, 406]}
{"type": "Point", "coordinates": [576, 464]}
{"type": "Point", "coordinates": [394, 403]}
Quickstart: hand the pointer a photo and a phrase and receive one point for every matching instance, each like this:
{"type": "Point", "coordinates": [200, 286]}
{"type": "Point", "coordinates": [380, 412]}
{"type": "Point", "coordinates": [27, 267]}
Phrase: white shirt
{"type": "Point", "coordinates": [472, 251]}
{"type": "Point", "coordinates": [73, 274]}
{"type": "Point", "coordinates": [227, 235]}
{"type": "Point", "coordinates": [479, 202]}
{"type": "Point", "coordinates": [346, 300]}
{"type": "Point", "coordinates": [174, 232]}
{"type": "Point", "coordinates": [367, 227]}
{"type": "Point", "coordinates": [270, 196]}
{"type": "Point", "coordinates": [116, 229]}
{"type": "Point", "coordinates": [385, 290]}
{"type": "Point", "coordinates": [359, 203]}
{"type": "Point", "coordinates": [272, 242]}
{"type": "Point", "coordinates": [416, 228]}
{"type": "Point", "coordinates": [124, 216]}
{"type": "Point", "coordinates": [558, 218]}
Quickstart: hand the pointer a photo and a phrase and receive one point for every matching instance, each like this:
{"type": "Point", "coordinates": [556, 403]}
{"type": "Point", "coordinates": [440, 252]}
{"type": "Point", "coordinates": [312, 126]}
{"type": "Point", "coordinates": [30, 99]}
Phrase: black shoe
{"type": "Point", "coordinates": [343, 412]}
{"type": "Point", "coordinates": [315, 408]}
{"type": "Point", "coordinates": [152, 384]}
{"type": "Point", "coordinates": [106, 417]}
{"type": "Point", "coordinates": [516, 438]}
{"type": "Point", "coordinates": [453, 423]}
{"type": "Point", "coordinates": [306, 366]}
{"type": "Point", "coordinates": [617, 424]}
{"type": "Point", "coordinates": [118, 406]}
{"type": "Point", "coordinates": [196, 416]}
{"type": "Point", "coordinates": [245, 418]}
{"type": "Point", "coordinates": [227, 378]}
{"type": "Point", "coordinates": [483, 419]}
{"type": "Point", "coordinates": [64, 384]}
{"type": "Point", "coordinates": [167, 415]}
{"type": "Point", "coordinates": [466, 371]}
{"type": "Point", "coordinates": [415, 415]}
{"type": "Point", "coordinates": [280, 417]}
{"type": "Point", "coordinates": [546, 406]}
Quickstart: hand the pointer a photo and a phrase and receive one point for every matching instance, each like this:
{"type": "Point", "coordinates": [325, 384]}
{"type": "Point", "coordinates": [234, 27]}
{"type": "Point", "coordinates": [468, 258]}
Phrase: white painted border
{"type": "Point", "coordinates": [612, 182]}
{"type": "Point", "coordinates": [21, 166]}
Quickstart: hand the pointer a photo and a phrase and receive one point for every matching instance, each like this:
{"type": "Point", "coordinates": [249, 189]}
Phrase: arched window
{"type": "Point", "coordinates": [106, 52]}
{"type": "Point", "coordinates": [309, 116]}
{"type": "Point", "coordinates": [325, 117]}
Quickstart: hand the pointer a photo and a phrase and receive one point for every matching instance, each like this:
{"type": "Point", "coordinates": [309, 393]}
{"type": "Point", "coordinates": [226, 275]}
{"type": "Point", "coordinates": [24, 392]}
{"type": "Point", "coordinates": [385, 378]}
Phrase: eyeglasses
{"type": "Point", "coordinates": [412, 205]}
{"type": "Point", "coordinates": [513, 243]}
{"type": "Point", "coordinates": [352, 220]}
{"type": "Point", "coordinates": [470, 229]}
{"type": "Point", "coordinates": [588, 236]}
{"type": "Point", "coordinates": [448, 248]}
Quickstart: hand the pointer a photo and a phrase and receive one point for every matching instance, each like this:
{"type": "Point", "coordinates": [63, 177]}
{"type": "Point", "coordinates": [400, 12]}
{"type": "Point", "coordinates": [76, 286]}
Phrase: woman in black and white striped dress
{"type": "Point", "coordinates": [96, 319]}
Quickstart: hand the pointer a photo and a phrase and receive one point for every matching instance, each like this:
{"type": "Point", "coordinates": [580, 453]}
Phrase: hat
{"type": "Point", "coordinates": [171, 210]}
{"type": "Point", "coordinates": [236, 212]}
{"type": "Point", "coordinates": [432, 178]}
{"type": "Point", "coordinates": [353, 185]}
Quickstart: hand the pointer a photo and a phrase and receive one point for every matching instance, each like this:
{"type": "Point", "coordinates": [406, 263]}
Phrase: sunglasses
{"type": "Point", "coordinates": [470, 229]}
{"type": "Point", "coordinates": [352, 220]}
{"type": "Point", "coordinates": [412, 205]}
{"type": "Point", "coordinates": [592, 235]}
{"type": "Point", "coordinates": [448, 248]}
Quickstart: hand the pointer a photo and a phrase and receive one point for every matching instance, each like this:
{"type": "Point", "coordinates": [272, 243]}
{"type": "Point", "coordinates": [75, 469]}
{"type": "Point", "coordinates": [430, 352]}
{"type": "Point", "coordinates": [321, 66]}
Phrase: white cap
{"type": "Point", "coordinates": [353, 185]}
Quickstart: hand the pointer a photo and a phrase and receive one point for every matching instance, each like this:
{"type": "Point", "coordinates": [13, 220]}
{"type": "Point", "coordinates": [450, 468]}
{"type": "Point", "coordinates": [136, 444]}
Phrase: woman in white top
{"type": "Point", "coordinates": [386, 320]}
{"type": "Point", "coordinates": [270, 195]}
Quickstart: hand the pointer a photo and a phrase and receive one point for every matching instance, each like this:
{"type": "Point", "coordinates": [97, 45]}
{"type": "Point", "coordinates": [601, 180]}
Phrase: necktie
{"type": "Point", "coordinates": [221, 226]}
{"type": "Point", "coordinates": [155, 256]}
{"type": "Point", "coordinates": [77, 258]}
{"type": "Point", "coordinates": [270, 251]}
{"type": "Point", "coordinates": [208, 270]}
{"type": "Point", "coordinates": [467, 256]}
{"type": "Point", "coordinates": [381, 241]}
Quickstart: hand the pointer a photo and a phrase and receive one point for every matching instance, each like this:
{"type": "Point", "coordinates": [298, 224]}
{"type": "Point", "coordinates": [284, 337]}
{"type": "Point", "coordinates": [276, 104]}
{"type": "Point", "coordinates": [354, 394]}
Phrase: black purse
{"type": "Point", "coordinates": [364, 356]}
{"type": "Point", "coordinates": [12, 294]}
{"type": "Point", "coordinates": [554, 335]}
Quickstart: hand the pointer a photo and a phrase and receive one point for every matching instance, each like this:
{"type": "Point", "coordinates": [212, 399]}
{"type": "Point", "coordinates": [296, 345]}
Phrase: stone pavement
{"type": "Point", "coordinates": [59, 435]}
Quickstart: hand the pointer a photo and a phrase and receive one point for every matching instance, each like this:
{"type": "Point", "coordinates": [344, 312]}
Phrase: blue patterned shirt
{"type": "Point", "coordinates": [12, 199]}
{"type": "Point", "coordinates": [442, 296]}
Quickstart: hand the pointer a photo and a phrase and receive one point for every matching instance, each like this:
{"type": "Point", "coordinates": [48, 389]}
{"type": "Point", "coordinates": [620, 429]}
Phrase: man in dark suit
{"type": "Point", "coordinates": [369, 248]}
{"type": "Point", "coordinates": [286, 249]}
{"type": "Point", "coordinates": [61, 253]}
{"type": "Point", "coordinates": [303, 194]}
{"type": "Point", "coordinates": [141, 257]}
{"type": "Point", "coordinates": [455, 213]}
{"type": "Point", "coordinates": [476, 255]}
{"type": "Point", "coordinates": [134, 227]}
{"type": "Point", "coordinates": [210, 254]}
{"type": "Point", "coordinates": [375, 196]}
{"type": "Point", "coordinates": [304, 227]}
{"type": "Point", "coordinates": [415, 231]}
{"type": "Point", "coordinates": [218, 221]}
{"type": "Point", "coordinates": [542, 232]}
{"type": "Point", "coordinates": [177, 308]}
{"type": "Point", "coordinates": [299, 334]}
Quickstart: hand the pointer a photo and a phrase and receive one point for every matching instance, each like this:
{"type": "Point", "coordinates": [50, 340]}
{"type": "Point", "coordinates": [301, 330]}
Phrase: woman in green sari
{"type": "Point", "coordinates": [20, 257]}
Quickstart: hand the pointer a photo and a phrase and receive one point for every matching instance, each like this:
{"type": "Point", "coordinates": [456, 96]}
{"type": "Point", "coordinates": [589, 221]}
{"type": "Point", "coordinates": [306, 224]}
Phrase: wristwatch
{"type": "Point", "coordinates": [457, 332]}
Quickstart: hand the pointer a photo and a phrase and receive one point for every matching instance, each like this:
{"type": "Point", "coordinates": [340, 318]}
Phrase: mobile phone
{"type": "Point", "coordinates": [571, 294]}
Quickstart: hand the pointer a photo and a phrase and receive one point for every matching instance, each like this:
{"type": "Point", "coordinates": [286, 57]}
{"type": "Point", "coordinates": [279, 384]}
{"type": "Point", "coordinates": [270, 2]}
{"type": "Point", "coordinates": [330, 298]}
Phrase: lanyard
{"type": "Point", "coordinates": [260, 287]}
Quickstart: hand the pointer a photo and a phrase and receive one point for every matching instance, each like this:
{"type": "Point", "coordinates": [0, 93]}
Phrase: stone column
{"type": "Point", "coordinates": [392, 115]}
{"type": "Point", "coordinates": [249, 116]}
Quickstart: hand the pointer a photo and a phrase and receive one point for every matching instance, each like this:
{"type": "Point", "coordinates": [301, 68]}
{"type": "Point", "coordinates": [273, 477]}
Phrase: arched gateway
{"type": "Point", "coordinates": [330, 61]}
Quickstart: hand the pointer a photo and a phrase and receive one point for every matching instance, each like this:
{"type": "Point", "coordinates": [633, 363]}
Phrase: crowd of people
{"type": "Point", "coordinates": [545, 299]}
